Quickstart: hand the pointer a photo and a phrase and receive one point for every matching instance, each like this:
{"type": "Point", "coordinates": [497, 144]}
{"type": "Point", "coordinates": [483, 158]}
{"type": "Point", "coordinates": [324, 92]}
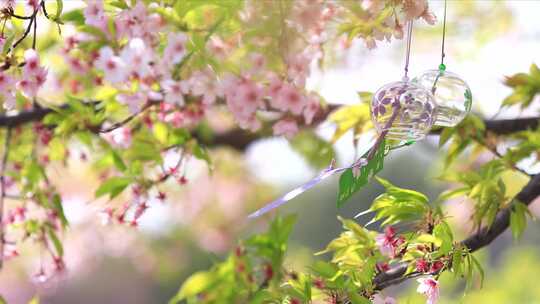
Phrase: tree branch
{"type": "Point", "coordinates": [240, 139]}
{"type": "Point", "coordinates": [474, 242]}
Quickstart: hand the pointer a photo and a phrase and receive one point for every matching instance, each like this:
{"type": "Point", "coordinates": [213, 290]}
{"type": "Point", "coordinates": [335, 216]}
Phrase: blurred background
{"type": "Point", "coordinates": [198, 223]}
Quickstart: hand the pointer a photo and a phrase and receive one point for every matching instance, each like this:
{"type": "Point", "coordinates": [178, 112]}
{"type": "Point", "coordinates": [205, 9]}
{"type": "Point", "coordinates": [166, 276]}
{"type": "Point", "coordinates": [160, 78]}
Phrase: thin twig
{"type": "Point", "coordinates": [3, 192]}
{"type": "Point", "coordinates": [32, 20]}
{"type": "Point", "coordinates": [128, 119]}
{"type": "Point", "coordinates": [45, 10]}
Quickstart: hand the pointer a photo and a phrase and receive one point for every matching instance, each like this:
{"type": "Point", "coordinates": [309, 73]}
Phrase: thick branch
{"type": "Point", "coordinates": [240, 139]}
{"type": "Point", "coordinates": [474, 242]}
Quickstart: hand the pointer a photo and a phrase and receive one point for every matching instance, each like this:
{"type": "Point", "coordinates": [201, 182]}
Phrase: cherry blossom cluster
{"type": "Point", "coordinates": [393, 24]}
{"type": "Point", "coordinates": [392, 245]}
{"type": "Point", "coordinates": [28, 80]}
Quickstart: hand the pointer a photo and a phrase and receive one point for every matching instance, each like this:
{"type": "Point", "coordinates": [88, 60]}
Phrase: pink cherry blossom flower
{"type": "Point", "coordinates": [298, 69]}
{"type": "Point", "coordinates": [94, 14]}
{"type": "Point", "coordinates": [274, 87]}
{"type": "Point", "coordinates": [120, 137]}
{"type": "Point", "coordinates": [289, 99]}
{"type": "Point", "coordinates": [379, 299]}
{"type": "Point", "coordinates": [174, 91]}
{"type": "Point", "coordinates": [10, 100]}
{"type": "Point", "coordinates": [430, 288]}
{"type": "Point", "coordinates": [29, 87]}
{"type": "Point", "coordinates": [313, 106]}
{"type": "Point", "coordinates": [6, 3]}
{"type": "Point", "coordinates": [202, 83]}
{"type": "Point", "coordinates": [370, 43]}
{"type": "Point", "coordinates": [414, 8]}
{"type": "Point", "coordinates": [258, 62]}
{"type": "Point", "coordinates": [34, 4]}
{"type": "Point", "coordinates": [6, 82]}
{"type": "Point", "coordinates": [387, 242]}
{"type": "Point", "coordinates": [218, 47]}
{"type": "Point", "coordinates": [429, 17]}
{"type": "Point", "coordinates": [176, 48]}
{"type": "Point", "coordinates": [422, 265]}
{"type": "Point", "coordinates": [247, 98]}
{"type": "Point", "coordinates": [113, 67]}
{"type": "Point", "coordinates": [138, 22]}
{"type": "Point", "coordinates": [287, 127]}
{"type": "Point", "coordinates": [137, 57]}
{"type": "Point", "coordinates": [250, 123]}
{"type": "Point", "coordinates": [10, 251]}
{"type": "Point", "coordinates": [134, 101]}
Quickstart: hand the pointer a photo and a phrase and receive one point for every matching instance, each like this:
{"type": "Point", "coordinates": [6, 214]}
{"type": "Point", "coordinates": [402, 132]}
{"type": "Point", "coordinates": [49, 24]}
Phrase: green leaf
{"type": "Point", "coordinates": [446, 134]}
{"type": "Point", "coordinates": [117, 161]}
{"type": "Point", "coordinates": [56, 242]}
{"type": "Point", "coordinates": [476, 264]}
{"type": "Point", "coordinates": [57, 205]}
{"type": "Point", "coordinates": [200, 152]}
{"type": "Point", "coordinates": [324, 269]}
{"type": "Point", "coordinates": [349, 184]}
{"type": "Point", "coordinates": [518, 219]}
{"type": "Point", "coordinates": [113, 186]}
{"type": "Point", "coordinates": [74, 16]}
{"type": "Point", "coordinates": [59, 9]}
{"type": "Point", "coordinates": [194, 285]}
{"type": "Point", "coordinates": [443, 232]}
{"type": "Point", "coordinates": [355, 298]}
{"type": "Point", "coordinates": [2, 300]}
{"type": "Point", "coordinates": [161, 132]}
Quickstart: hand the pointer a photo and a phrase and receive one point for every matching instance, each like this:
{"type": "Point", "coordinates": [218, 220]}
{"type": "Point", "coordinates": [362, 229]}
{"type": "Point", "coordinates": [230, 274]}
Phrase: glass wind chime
{"type": "Point", "coordinates": [452, 94]}
{"type": "Point", "coordinates": [402, 112]}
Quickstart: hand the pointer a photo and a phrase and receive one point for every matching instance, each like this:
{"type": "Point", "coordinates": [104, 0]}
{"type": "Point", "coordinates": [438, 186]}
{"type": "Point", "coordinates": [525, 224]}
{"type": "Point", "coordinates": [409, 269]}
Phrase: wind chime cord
{"type": "Point", "coordinates": [408, 52]}
{"type": "Point", "coordinates": [443, 34]}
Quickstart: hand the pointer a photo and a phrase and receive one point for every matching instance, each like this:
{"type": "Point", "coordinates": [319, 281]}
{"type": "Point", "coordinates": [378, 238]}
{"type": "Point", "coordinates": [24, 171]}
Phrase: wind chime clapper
{"type": "Point", "coordinates": [451, 93]}
{"type": "Point", "coordinates": [399, 108]}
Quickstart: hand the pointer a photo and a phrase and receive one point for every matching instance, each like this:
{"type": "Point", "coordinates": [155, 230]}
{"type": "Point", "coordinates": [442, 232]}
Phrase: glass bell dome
{"type": "Point", "coordinates": [452, 95]}
{"type": "Point", "coordinates": [404, 109]}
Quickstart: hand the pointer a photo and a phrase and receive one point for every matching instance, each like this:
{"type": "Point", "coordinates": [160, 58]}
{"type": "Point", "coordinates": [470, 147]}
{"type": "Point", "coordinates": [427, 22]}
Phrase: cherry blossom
{"type": "Point", "coordinates": [312, 107]}
{"type": "Point", "coordinates": [113, 67]}
{"type": "Point", "coordinates": [174, 91]}
{"type": "Point", "coordinates": [285, 127]}
{"type": "Point", "coordinates": [430, 288]}
{"type": "Point", "coordinates": [389, 242]}
{"type": "Point", "coordinates": [134, 101]}
{"type": "Point", "coordinates": [202, 83]}
{"type": "Point", "coordinates": [94, 14]}
{"type": "Point", "coordinates": [379, 299]}
{"type": "Point", "coordinates": [137, 22]}
{"type": "Point", "coordinates": [245, 100]}
{"type": "Point", "coordinates": [298, 68]}
{"type": "Point", "coordinates": [120, 137]}
{"type": "Point", "coordinates": [139, 58]}
{"type": "Point", "coordinates": [34, 75]}
{"type": "Point", "coordinates": [8, 92]}
{"type": "Point", "coordinates": [289, 99]}
{"type": "Point", "coordinates": [176, 48]}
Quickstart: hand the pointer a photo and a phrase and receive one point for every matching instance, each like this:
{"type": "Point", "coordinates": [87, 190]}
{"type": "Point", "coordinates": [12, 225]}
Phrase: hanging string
{"type": "Point", "coordinates": [442, 66]}
{"type": "Point", "coordinates": [408, 51]}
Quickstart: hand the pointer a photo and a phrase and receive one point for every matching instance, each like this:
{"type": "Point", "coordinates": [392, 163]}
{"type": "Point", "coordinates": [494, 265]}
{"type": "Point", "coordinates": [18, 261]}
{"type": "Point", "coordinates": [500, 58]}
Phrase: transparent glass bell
{"type": "Point", "coordinates": [452, 95]}
{"type": "Point", "coordinates": [404, 109]}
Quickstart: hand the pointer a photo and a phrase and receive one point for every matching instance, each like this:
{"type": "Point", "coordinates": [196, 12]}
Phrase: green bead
{"type": "Point", "coordinates": [442, 67]}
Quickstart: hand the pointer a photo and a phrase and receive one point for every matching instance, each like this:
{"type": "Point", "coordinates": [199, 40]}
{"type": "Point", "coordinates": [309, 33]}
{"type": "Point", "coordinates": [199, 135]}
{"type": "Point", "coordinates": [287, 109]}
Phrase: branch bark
{"type": "Point", "coordinates": [474, 242]}
{"type": "Point", "coordinates": [240, 139]}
